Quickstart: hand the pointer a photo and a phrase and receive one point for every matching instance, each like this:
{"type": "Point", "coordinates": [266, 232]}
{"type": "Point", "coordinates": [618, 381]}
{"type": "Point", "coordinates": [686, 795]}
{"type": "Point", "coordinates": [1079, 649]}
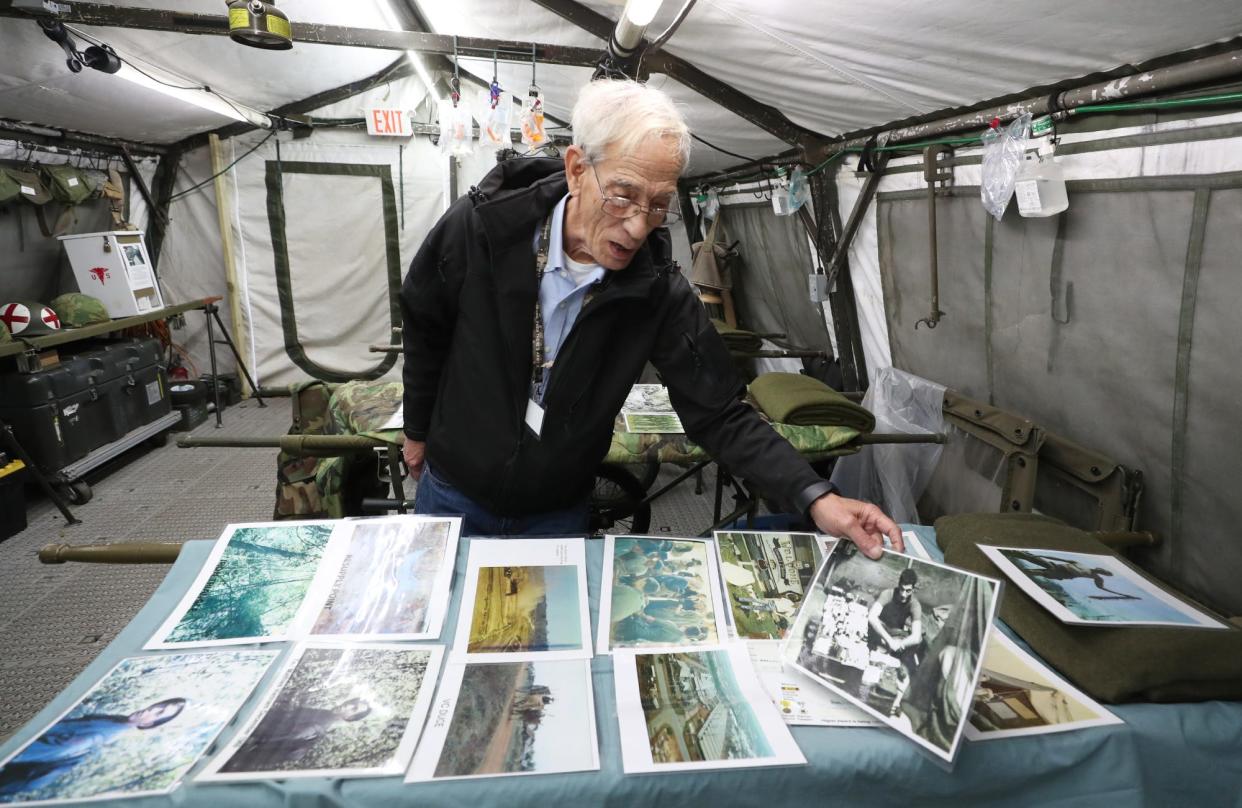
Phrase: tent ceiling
{"type": "Point", "coordinates": [832, 67]}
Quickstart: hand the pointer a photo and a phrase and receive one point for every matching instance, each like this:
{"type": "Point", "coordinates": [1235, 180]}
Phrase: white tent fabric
{"type": "Point", "coordinates": [335, 237]}
{"type": "Point", "coordinates": [832, 67]}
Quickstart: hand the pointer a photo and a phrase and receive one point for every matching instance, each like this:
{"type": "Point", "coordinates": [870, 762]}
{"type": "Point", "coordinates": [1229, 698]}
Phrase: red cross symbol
{"type": "Point", "coordinates": [50, 317]}
{"type": "Point", "coordinates": [100, 273]}
{"type": "Point", "coordinates": [15, 313]}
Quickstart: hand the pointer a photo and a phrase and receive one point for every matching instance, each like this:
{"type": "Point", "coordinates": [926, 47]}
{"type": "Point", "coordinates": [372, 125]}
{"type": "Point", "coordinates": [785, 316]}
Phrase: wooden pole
{"type": "Point", "coordinates": [224, 213]}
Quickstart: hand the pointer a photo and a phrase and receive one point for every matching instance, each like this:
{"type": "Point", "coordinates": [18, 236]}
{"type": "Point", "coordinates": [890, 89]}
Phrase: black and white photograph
{"type": "Point", "coordinates": [900, 637]}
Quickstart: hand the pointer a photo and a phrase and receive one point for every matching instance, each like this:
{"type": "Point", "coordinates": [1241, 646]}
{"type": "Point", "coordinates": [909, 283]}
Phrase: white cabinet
{"type": "Point", "coordinates": [115, 268]}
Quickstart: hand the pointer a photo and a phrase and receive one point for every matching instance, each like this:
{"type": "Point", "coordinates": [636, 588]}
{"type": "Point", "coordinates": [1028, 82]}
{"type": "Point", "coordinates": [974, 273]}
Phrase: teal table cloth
{"type": "Point", "coordinates": [1164, 755]}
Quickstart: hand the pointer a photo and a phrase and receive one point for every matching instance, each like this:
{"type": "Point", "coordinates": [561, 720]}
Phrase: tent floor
{"type": "Point", "coordinates": [55, 619]}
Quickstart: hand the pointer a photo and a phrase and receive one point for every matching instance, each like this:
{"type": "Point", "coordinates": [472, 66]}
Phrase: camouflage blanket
{"type": "Point", "coordinates": [311, 487]}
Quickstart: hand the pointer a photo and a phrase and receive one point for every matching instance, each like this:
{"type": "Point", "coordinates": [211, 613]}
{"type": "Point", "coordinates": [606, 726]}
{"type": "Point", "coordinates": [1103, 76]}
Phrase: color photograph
{"type": "Point", "coordinates": [659, 593]}
{"type": "Point", "coordinates": [510, 718]}
{"type": "Point", "coordinates": [391, 579]}
{"type": "Point", "coordinates": [900, 637]}
{"type": "Point", "coordinates": [649, 398]}
{"type": "Point", "coordinates": [525, 609]}
{"type": "Point", "coordinates": [700, 709]}
{"type": "Point", "coordinates": [765, 577]}
{"type": "Point", "coordinates": [137, 731]}
{"type": "Point", "coordinates": [336, 711]}
{"type": "Point", "coordinates": [1094, 589]}
{"type": "Point", "coordinates": [251, 588]}
{"type": "Point", "coordinates": [524, 600]}
{"type": "Point", "coordinates": [647, 409]}
{"type": "Point", "coordinates": [1018, 695]}
{"type": "Point", "coordinates": [653, 423]}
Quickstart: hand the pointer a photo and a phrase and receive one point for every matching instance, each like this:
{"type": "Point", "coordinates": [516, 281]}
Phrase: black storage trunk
{"type": "Point", "coordinates": [63, 413]}
{"type": "Point", "coordinates": [142, 390]}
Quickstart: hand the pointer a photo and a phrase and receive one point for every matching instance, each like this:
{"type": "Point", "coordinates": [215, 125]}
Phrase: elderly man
{"type": "Point", "coordinates": [533, 306]}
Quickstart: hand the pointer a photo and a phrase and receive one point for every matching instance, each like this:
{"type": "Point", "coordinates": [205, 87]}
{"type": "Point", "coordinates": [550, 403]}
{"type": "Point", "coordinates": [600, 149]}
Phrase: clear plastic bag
{"type": "Point", "coordinates": [495, 132]}
{"type": "Point", "coordinates": [1003, 148]}
{"type": "Point", "coordinates": [456, 129]}
{"type": "Point", "coordinates": [894, 475]}
{"type": "Point", "coordinates": [533, 134]}
{"type": "Point", "coordinates": [799, 189]}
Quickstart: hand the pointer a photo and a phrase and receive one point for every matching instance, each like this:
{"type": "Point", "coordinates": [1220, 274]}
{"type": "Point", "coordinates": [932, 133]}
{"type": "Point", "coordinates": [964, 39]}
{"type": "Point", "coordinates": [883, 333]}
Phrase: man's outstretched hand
{"type": "Point", "coordinates": [860, 522]}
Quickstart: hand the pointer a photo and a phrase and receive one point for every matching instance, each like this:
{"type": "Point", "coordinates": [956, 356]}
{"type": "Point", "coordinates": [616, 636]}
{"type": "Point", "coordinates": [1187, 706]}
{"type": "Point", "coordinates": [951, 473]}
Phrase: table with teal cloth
{"type": "Point", "coordinates": [1187, 754]}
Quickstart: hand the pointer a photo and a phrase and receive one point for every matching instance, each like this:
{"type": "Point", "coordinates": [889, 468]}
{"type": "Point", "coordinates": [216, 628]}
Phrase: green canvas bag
{"type": "Point", "coordinates": [67, 184]}
{"type": "Point", "coordinates": [30, 186]}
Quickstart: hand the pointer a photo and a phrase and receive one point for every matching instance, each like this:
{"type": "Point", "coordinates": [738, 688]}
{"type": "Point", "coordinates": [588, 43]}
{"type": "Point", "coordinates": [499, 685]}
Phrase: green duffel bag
{"type": "Point", "coordinates": [30, 186]}
{"type": "Point", "coordinates": [67, 184]}
{"type": "Point", "coordinates": [9, 189]}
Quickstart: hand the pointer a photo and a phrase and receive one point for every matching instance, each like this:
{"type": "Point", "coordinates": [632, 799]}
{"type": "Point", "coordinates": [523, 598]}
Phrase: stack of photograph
{"type": "Point", "coordinates": [340, 610]}
{"type": "Point", "coordinates": [516, 696]}
{"type": "Point", "coordinates": [687, 697]}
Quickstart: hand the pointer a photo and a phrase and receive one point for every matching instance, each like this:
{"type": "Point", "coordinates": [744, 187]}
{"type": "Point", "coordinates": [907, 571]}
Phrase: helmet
{"type": "Point", "coordinates": [77, 310]}
{"type": "Point", "coordinates": [28, 319]}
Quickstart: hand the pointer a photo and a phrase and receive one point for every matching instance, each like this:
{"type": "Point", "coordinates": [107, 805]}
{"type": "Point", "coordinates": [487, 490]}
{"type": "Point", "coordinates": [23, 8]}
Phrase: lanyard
{"type": "Point", "coordinates": [537, 363]}
{"type": "Point", "coordinates": [540, 367]}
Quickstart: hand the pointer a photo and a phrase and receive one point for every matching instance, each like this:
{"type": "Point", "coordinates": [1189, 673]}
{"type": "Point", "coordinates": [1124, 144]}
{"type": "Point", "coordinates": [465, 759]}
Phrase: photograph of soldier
{"type": "Point", "coordinates": [661, 593]}
{"type": "Point", "coordinates": [1094, 588]}
{"type": "Point", "coordinates": [900, 637]}
{"type": "Point", "coordinates": [336, 708]}
{"type": "Point", "coordinates": [766, 576]}
{"type": "Point", "coordinates": [288, 731]}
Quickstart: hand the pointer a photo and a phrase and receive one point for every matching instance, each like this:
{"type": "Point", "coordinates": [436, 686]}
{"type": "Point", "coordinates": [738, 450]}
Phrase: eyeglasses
{"type": "Point", "coordinates": [623, 208]}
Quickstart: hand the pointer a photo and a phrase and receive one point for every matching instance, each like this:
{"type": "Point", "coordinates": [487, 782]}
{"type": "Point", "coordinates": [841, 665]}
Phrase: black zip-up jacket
{"type": "Point", "coordinates": [468, 305]}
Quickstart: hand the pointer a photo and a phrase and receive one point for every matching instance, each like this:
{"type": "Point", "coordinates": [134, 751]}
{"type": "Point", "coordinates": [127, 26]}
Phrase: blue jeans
{"type": "Point", "coordinates": [435, 496]}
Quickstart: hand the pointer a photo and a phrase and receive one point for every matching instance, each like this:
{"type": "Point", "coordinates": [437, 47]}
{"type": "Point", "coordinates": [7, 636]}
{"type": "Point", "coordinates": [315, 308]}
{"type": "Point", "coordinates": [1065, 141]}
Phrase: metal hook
{"type": "Point", "coordinates": [455, 92]}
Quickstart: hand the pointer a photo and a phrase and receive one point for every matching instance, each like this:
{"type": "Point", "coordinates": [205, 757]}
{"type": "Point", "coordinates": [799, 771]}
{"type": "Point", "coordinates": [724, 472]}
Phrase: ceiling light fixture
{"type": "Point", "coordinates": [259, 25]}
{"type": "Point", "coordinates": [627, 38]}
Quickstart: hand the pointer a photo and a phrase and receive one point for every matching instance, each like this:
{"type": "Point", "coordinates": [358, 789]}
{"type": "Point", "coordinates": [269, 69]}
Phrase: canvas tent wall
{"type": "Point", "coordinates": [1111, 324]}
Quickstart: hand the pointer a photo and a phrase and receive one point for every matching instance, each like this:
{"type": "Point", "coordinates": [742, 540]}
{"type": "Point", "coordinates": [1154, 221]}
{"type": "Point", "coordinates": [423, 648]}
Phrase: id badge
{"type": "Point", "coordinates": [534, 416]}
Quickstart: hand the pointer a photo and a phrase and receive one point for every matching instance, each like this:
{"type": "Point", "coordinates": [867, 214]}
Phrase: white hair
{"type": "Point", "coordinates": [624, 113]}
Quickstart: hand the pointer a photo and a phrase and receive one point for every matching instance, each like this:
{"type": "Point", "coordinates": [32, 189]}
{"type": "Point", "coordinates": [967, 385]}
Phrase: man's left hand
{"type": "Point", "coordinates": [860, 522]}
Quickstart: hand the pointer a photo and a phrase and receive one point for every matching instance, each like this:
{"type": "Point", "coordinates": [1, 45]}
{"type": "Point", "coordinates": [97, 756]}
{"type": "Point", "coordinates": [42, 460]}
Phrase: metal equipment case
{"type": "Point", "coordinates": [91, 407]}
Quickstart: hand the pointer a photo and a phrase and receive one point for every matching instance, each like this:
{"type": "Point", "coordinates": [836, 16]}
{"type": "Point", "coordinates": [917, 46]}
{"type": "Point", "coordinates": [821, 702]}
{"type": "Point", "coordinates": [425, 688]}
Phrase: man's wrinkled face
{"type": "Point", "coordinates": [646, 175]}
{"type": "Point", "coordinates": [905, 592]}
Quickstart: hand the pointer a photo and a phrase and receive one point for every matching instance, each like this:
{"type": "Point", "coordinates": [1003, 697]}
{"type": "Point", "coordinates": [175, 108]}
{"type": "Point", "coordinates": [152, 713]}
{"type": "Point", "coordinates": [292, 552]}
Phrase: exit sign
{"type": "Point", "coordinates": [390, 122]}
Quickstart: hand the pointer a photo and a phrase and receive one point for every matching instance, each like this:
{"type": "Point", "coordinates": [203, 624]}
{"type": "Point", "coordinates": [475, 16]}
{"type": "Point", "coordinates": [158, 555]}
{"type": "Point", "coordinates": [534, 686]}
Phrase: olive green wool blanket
{"type": "Point", "coordinates": [1117, 664]}
{"type": "Point", "coordinates": [791, 398]}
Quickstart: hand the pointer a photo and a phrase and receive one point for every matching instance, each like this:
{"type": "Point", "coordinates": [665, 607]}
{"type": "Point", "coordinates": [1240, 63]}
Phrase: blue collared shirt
{"type": "Point", "coordinates": [560, 296]}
